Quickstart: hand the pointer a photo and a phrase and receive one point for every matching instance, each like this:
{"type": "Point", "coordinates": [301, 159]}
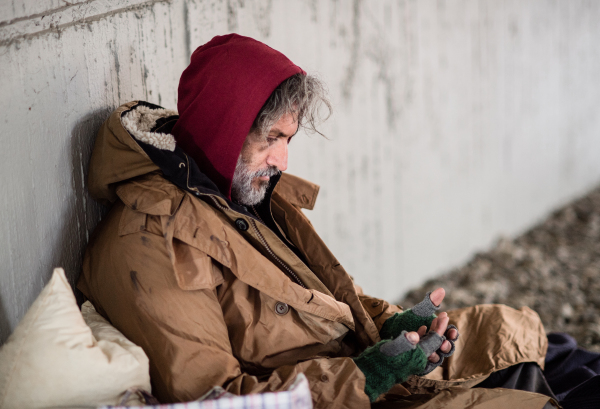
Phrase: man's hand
{"type": "Point", "coordinates": [402, 353]}
{"type": "Point", "coordinates": [439, 325]}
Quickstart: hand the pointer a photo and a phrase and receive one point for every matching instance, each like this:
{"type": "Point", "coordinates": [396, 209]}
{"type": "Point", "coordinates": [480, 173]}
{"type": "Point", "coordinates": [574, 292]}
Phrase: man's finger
{"type": "Point", "coordinates": [452, 334]}
{"type": "Point", "coordinates": [437, 296]}
{"type": "Point", "coordinates": [422, 331]}
{"type": "Point", "coordinates": [434, 358]}
{"type": "Point", "coordinates": [434, 324]}
{"type": "Point", "coordinates": [442, 324]}
{"type": "Point", "coordinates": [412, 337]}
{"type": "Point", "coordinates": [446, 347]}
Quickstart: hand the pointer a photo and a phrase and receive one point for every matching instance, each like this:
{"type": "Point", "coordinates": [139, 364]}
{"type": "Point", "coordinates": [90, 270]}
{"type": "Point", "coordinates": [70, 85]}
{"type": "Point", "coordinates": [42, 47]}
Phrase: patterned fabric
{"type": "Point", "coordinates": [297, 397]}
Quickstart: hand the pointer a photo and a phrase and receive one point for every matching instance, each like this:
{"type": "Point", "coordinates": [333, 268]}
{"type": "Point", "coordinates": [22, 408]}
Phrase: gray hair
{"type": "Point", "coordinates": [302, 95]}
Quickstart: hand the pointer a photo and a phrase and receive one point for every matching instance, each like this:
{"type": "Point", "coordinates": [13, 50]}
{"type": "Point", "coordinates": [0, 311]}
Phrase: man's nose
{"type": "Point", "coordinates": [279, 155]}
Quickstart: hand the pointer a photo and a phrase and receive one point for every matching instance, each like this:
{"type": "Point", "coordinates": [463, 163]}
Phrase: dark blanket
{"type": "Point", "coordinates": [572, 373]}
{"type": "Point", "coordinates": [571, 376]}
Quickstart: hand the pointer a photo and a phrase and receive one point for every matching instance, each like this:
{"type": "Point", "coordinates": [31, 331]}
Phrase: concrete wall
{"type": "Point", "coordinates": [455, 121]}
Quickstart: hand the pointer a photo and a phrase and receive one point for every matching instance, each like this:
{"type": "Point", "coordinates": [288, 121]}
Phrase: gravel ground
{"type": "Point", "coordinates": [553, 268]}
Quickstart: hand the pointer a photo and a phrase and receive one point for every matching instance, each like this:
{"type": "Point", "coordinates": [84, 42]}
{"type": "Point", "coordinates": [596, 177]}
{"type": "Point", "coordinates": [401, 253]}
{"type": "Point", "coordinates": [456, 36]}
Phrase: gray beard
{"type": "Point", "coordinates": [241, 186]}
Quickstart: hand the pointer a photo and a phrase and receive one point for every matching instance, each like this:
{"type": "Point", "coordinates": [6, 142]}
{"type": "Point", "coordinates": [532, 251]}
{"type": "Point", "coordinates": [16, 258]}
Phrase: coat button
{"type": "Point", "coordinates": [281, 308]}
{"type": "Point", "coordinates": [241, 224]}
{"type": "Point", "coordinates": [375, 304]}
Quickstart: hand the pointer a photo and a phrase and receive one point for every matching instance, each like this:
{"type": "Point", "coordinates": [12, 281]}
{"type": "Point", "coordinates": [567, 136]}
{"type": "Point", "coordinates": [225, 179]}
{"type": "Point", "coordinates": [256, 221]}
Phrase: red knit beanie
{"type": "Point", "coordinates": [220, 94]}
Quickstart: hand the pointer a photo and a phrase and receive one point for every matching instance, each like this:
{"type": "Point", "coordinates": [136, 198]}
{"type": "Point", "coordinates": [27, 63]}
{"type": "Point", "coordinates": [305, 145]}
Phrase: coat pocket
{"type": "Point", "coordinates": [194, 269]}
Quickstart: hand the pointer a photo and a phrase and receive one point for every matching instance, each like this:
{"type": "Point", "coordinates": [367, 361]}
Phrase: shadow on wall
{"type": "Point", "coordinates": [82, 213]}
{"type": "Point", "coordinates": [4, 325]}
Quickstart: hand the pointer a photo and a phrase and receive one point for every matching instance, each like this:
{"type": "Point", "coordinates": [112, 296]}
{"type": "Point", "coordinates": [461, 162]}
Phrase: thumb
{"type": "Point", "coordinates": [437, 296]}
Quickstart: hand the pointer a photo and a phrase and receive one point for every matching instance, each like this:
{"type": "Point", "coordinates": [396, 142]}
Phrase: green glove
{"type": "Point", "coordinates": [409, 320]}
{"type": "Point", "coordinates": [392, 361]}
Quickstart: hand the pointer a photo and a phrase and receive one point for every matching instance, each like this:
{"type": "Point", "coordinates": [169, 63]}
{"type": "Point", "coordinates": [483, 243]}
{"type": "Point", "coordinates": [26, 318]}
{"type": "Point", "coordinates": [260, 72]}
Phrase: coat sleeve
{"type": "Point", "coordinates": [379, 310]}
{"type": "Point", "coordinates": [130, 279]}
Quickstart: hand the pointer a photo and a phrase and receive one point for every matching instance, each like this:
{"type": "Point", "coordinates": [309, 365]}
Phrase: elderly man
{"type": "Point", "coordinates": [207, 261]}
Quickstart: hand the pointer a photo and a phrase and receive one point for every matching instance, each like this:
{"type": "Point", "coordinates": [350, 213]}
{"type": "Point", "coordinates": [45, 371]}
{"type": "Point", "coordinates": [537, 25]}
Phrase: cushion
{"type": "Point", "coordinates": [54, 359]}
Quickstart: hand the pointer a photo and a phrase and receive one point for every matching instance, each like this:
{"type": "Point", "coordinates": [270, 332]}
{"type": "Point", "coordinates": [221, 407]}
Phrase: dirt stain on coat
{"type": "Point", "coordinates": [134, 280]}
{"type": "Point", "coordinates": [145, 242]}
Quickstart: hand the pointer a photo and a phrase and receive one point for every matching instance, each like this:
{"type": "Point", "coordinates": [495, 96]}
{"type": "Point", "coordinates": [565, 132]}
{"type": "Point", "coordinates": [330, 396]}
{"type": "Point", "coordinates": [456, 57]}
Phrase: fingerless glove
{"type": "Point", "coordinates": [409, 320]}
{"type": "Point", "coordinates": [392, 361]}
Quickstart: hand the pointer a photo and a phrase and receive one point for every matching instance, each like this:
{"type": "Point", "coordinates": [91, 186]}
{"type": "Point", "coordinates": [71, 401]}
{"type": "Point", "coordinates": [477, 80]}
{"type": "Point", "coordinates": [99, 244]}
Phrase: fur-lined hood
{"type": "Point", "coordinates": [136, 140]}
{"type": "Point", "coordinates": [144, 122]}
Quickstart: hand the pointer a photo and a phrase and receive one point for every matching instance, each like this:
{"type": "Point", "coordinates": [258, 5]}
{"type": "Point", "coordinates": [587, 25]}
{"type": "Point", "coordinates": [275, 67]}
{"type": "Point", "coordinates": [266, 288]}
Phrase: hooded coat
{"type": "Point", "coordinates": [218, 295]}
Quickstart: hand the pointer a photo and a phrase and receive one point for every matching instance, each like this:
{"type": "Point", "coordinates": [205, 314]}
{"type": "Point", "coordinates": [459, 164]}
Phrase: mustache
{"type": "Point", "coordinates": [268, 171]}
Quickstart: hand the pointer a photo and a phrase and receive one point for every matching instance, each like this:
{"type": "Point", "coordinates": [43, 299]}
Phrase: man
{"type": "Point", "coordinates": [207, 261]}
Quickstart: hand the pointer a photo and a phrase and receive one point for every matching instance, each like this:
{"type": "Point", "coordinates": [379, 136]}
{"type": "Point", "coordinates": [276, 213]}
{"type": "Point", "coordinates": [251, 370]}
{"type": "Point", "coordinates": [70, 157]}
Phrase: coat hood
{"type": "Point", "coordinates": [136, 140]}
{"type": "Point", "coordinates": [220, 93]}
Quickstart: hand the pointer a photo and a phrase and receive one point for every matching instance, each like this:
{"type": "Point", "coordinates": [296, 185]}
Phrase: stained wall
{"type": "Point", "coordinates": [454, 122]}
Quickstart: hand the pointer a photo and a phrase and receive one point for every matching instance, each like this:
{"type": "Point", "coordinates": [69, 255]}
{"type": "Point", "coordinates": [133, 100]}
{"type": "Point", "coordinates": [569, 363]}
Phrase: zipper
{"type": "Point", "coordinates": [257, 215]}
{"type": "Point", "coordinates": [265, 244]}
{"type": "Point", "coordinates": [285, 239]}
{"type": "Point", "coordinates": [187, 182]}
{"type": "Point", "coordinates": [281, 263]}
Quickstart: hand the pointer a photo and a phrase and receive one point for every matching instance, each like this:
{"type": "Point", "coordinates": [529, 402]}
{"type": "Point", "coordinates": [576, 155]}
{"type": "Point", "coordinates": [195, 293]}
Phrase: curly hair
{"type": "Point", "coordinates": [301, 95]}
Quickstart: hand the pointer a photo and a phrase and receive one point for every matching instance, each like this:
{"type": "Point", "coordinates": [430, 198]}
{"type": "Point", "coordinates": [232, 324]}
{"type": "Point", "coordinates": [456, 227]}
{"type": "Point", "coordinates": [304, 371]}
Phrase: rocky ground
{"type": "Point", "coordinates": [554, 269]}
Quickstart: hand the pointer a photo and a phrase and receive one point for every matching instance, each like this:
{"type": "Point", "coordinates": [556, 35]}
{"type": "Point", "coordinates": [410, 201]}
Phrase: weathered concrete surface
{"type": "Point", "coordinates": [455, 121]}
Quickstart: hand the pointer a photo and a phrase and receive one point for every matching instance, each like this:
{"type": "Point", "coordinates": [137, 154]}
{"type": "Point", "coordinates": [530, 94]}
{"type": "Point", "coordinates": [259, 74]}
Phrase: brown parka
{"type": "Point", "coordinates": [210, 292]}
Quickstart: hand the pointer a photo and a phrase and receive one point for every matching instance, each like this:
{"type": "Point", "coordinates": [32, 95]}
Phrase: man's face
{"type": "Point", "coordinates": [260, 159]}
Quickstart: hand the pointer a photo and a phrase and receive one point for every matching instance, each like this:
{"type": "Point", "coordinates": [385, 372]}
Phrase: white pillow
{"type": "Point", "coordinates": [53, 359]}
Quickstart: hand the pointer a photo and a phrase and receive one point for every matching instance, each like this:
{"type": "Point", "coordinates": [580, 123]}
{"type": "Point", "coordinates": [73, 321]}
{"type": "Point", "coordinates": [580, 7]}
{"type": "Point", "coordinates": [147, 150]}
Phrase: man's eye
{"type": "Point", "coordinates": [271, 141]}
